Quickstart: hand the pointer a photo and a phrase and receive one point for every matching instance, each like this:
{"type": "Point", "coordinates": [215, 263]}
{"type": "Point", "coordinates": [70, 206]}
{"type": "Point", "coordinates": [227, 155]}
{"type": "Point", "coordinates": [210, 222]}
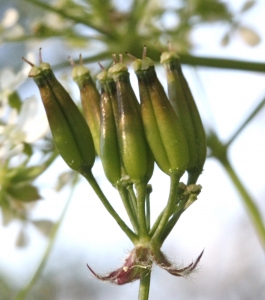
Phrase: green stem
{"type": "Point", "coordinates": [148, 213]}
{"type": "Point", "coordinates": [211, 62]}
{"type": "Point", "coordinates": [179, 209]}
{"type": "Point", "coordinates": [25, 291]}
{"type": "Point", "coordinates": [155, 225]}
{"type": "Point", "coordinates": [128, 206]}
{"type": "Point", "coordinates": [66, 15]}
{"type": "Point", "coordinates": [144, 286]}
{"type": "Point", "coordinates": [222, 63]}
{"type": "Point", "coordinates": [141, 192]}
{"type": "Point", "coordinates": [133, 197]}
{"type": "Point", "coordinates": [92, 181]}
{"type": "Point", "coordinates": [246, 121]}
{"type": "Point", "coordinates": [170, 225]}
{"type": "Point", "coordinates": [248, 202]}
{"type": "Point", "coordinates": [174, 181]}
{"type": "Point", "coordinates": [89, 59]}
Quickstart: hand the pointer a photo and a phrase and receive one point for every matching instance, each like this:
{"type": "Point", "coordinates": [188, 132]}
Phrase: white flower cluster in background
{"type": "Point", "coordinates": [9, 27]}
{"type": "Point", "coordinates": [18, 127]}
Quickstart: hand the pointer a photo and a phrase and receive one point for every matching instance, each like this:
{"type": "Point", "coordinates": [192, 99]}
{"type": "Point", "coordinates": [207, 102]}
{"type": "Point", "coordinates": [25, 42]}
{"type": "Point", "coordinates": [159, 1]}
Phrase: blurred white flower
{"type": "Point", "coordinates": [34, 125]}
{"type": "Point", "coordinates": [15, 32]}
{"type": "Point", "coordinates": [9, 27]}
{"type": "Point", "coordinates": [25, 127]}
{"type": "Point", "coordinates": [250, 36]}
{"type": "Point", "coordinates": [9, 82]}
{"type": "Point", "coordinates": [10, 18]}
{"type": "Point", "coordinates": [55, 21]}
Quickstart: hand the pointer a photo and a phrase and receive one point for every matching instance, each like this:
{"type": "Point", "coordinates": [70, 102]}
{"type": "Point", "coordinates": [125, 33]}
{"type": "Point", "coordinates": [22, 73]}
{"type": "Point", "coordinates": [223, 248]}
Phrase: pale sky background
{"type": "Point", "coordinates": [217, 221]}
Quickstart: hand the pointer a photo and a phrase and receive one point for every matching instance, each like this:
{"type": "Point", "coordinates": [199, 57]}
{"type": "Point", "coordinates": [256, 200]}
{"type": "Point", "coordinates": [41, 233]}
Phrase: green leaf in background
{"type": "Point", "coordinates": [28, 149]}
{"type": "Point", "coordinates": [44, 226]}
{"type": "Point", "coordinates": [15, 101]}
{"type": "Point", "coordinates": [248, 5]}
{"type": "Point", "coordinates": [26, 174]}
{"type": "Point", "coordinates": [22, 239]}
{"type": "Point", "coordinates": [65, 178]}
{"type": "Point", "coordinates": [8, 214]}
{"type": "Point", "coordinates": [24, 192]}
{"type": "Point", "coordinates": [226, 39]}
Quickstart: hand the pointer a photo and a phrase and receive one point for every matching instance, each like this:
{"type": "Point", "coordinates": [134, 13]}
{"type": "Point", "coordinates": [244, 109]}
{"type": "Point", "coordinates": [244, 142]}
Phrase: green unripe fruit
{"type": "Point", "coordinates": [180, 105]}
{"type": "Point", "coordinates": [162, 128]}
{"type": "Point", "coordinates": [70, 132]}
{"type": "Point", "coordinates": [185, 107]}
{"type": "Point", "coordinates": [90, 100]}
{"type": "Point", "coordinates": [133, 147]}
{"type": "Point", "coordinates": [109, 146]}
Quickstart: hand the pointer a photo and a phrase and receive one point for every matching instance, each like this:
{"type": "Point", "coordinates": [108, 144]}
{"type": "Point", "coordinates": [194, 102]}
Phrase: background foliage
{"type": "Point", "coordinates": [65, 28]}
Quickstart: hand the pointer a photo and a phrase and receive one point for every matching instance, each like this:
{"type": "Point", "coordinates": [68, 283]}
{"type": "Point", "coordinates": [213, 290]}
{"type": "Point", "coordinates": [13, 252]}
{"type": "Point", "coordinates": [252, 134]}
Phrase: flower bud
{"type": "Point", "coordinates": [133, 146]}
{"type": "Point", "coordinates": [90, 100]}
{"type": "Point", "coordinates": [185, 107]}
{"type": "Point", "coordinates": [109, 146]}
{"type": "Point", "coordinates": [70, 132]}
{"type": "Point", "coordinates": [162, 128]}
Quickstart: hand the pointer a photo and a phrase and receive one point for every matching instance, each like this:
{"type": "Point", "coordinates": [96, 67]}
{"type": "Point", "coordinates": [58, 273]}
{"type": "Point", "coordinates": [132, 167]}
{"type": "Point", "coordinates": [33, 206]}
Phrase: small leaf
{"type": "Point", "coordinates": [22, 239]}
{"type": "Point", "coordinates": [68, 177]}
{"type": "Point", "coordinates": [7, 213]}
{"type": "Point", "coordinates": [44, 226]}
{"type": "Point", "coordinates": [225, 39]}
{"type": "Point", "coordinates": [15, 101]}
{"type": "Point", "coordinates": [26, 174]}
{"type": "Point", "coordinates": [24, 193]}
{"type": "Point", "coordinates": [247, 5]}
{"type": "Point", "coordinates": [27, 149]}
{"type": "Point", "coordinates": [250, 36]}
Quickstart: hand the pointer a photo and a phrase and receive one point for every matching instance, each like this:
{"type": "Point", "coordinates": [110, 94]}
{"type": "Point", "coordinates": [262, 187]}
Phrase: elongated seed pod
{"type": "Point", "coordinates": [90, 100]}
{"type": "Point", "coordinates": [150, 122]}
{"type": "Point", "coordinates": [162, 127]}
{"type": "Point", "coordinates": [70, 132]}
{"type": "Point", "coordinates": [183, 102]}
{"type": "Point", "coordinates": [112, 91]}
{"type": "Point", "coordinates": [109, 145]}
{"type": "Point", "coordinates": [179, 102]}
{"type": "Point", "coordinates": [136, 105]}
{"type": "Point", "coordinates": [132, 141]}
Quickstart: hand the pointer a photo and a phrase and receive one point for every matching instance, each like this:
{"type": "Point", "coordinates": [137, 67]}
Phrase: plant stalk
{"type": "Point", "coordinates": [144, 286]}
{"type": "Point", "coordinates": [92, 181]}
{"type": "Point", "coordinates": [25, 291]}
{"type": "Point", "coordinates": [128, 206]}
{"type": "Point", "coordinates": [174, 181]}
{"type": "Point", "coordinates": [141, 192]}
{"type": "Point", "coordinates": [251, 207]}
